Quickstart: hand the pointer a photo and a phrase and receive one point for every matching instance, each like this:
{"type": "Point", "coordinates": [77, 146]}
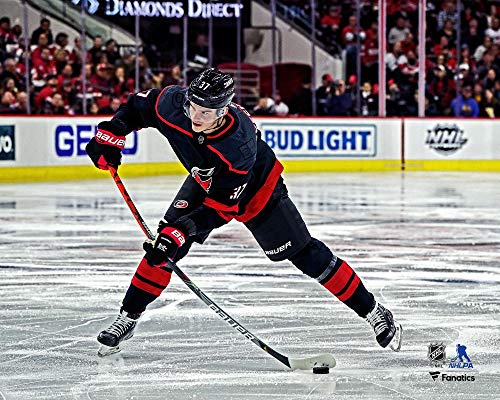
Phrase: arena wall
{"type": "Point", "coordinates": [41, 148]}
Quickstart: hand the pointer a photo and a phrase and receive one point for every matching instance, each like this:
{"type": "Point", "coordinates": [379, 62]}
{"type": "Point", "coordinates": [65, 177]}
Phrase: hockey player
{"type": "Point", "coordinates": [233, 174]}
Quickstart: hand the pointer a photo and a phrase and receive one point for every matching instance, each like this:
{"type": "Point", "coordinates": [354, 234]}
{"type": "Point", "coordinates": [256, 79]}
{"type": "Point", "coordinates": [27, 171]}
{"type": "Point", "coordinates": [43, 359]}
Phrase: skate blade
{"type": "Point", "coordinates": [107, 351]}
{"type": "Point", "coordinates": [395, 343]}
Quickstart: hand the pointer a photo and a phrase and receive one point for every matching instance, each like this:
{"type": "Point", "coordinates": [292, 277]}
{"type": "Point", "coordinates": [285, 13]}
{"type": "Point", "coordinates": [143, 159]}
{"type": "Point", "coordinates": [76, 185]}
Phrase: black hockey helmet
{"type": "Point", "coordinates": [210, 89]}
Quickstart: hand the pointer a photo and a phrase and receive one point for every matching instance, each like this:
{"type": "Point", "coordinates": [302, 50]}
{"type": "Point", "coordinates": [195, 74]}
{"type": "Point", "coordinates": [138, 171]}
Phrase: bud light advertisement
{"type": "Point", "coordinates": [323, 140]}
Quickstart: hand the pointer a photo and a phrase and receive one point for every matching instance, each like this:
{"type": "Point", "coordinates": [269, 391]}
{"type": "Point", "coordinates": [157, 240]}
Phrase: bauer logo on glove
{"type": "Point", "coordinates": [167, 241]}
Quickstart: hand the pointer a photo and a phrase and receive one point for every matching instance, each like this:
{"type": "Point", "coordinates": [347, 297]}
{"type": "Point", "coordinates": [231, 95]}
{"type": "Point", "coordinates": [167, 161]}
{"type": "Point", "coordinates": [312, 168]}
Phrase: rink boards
{"type": "Point", "coordinates": [53, 148]}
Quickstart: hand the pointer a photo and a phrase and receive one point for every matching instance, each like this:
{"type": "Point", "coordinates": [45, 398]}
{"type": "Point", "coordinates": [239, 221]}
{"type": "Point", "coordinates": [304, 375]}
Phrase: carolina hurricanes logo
{"type": "Point", "coordinates": [203, 176]}
{"type": "Point", "coordinates": [181, 204]}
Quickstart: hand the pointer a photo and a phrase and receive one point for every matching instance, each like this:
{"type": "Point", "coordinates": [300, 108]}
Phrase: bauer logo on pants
{"type": "Point", "coordinates": [7, 142]}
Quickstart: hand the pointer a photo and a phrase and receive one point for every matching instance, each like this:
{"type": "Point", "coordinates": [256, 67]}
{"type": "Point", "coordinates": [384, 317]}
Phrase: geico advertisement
{"type": "Point", "coordinates": [70, 140]}
{"type": "Point", "coordinates": [309, 138]}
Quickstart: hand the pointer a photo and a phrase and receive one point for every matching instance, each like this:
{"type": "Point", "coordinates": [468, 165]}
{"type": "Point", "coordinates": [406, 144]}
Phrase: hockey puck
{"type": "Point", "coordinates": [321, 370]}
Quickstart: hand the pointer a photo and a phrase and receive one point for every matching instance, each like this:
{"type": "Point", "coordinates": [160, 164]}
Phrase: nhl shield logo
{"type": "Point", "coordinates": [446, 138]}
{"type": "Point", "coordinates": [437, 354]}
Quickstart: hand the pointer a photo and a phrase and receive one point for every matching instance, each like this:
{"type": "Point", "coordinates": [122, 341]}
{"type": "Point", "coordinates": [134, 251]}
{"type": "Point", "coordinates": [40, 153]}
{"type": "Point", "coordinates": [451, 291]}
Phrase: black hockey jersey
{"type": "Point", "coordinates": [236, 168]}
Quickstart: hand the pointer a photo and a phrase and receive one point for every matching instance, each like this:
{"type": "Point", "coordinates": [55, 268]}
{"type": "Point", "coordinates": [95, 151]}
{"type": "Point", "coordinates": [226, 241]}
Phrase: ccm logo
{"type": "Point", "coordinates": [111, 139]}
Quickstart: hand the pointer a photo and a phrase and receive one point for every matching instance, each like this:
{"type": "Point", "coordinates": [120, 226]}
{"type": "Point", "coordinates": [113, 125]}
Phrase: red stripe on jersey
{"type": "Point", "coordinates": [260, 199]}
{"type": "Point", "coordinates": [350, 290]}
{"type": "Point", "coordinates": [231, 123]}
{"type": "Point", "coordinates": [146, 286]}
{"type": "Point", "coordinates": [225, 216]}
{"type": "Point", "coordinates": [237, 171]}
{"type": "Point", "coordinates": [167, 122]}
{"type": "Point", "coordinates": [154, 274]}
{"type": "Point", "coordinates": [219, 206]}
{"type": "Point", "coordinates": [338, 281]}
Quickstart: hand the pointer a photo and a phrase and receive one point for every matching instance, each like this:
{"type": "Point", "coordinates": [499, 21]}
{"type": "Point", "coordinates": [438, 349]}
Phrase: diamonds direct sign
{"type": "Point", "coordinates": [166, 9]}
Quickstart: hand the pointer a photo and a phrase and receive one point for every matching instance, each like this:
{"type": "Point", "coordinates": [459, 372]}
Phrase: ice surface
{"type": "Point", "coordinates": [426, 244]}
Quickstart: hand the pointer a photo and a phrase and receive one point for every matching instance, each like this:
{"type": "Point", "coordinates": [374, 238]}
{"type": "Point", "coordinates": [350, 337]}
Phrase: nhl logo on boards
{"type": "Point", "coordinates": [446, 138]}
{"type": "Point", "coordinates": [437, 354]}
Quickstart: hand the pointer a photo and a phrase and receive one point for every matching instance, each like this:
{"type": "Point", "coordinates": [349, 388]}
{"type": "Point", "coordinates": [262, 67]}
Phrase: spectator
{"type": "Point", "coordinates": [101, 80]}
{"type": "Point", "coordinates": [44, 66]}
{"type": "Point", "coordinates": [47, 91]}
{"type": "Point", "coordinates": [489, 80]}
{"type": "Point", "coordinates": [42, 44]}
{"type": "Point", "coordinates": [369, 103]}
{"type": "Point", "coordinates": [398, 33]}
{"type": "Point", "coordinates": [10, 71]}
{"type": "Point", "coordinates": [490, 106]}
{"type": "Point", "coordinates": [264, 107]}
{"type": "Point", "coordinates": [349, 38]}
{"type": "Point", "coordinates": [494, 30]}
{"type": "Point", "coordinates": [449, 13]}
{"type": "Point", "coordinates": [322, 94]}
{"type": "Point", "coordinates": [112, 107]}
{"type": "Point", "coordinates": [7, 103]}
{"type": "Point", "coordinates": [174, 76]}
{"type": "Point", "coordinates": [6, 34]}
{"type": "Point", "coordinates": [339, 102]}
{"type": "Point", "coordinates": [280, 107]}
{"type": "Point", "coordinates": [369, 53]}
{"type": "Point", "coordinates": [111, 52]}
{"type": "Point", "coordinates": [464, 105]}
{"type": "Point", "coordinates": [122, 85]}
{"type": "Point", "coordinates": [441, 89]}
{"type": "Point", "coordinates": [300, 103]}
{"type": "Point", "coordinates": [70, 96]}
{"type": "Point", "coordinates": [96, 51]}
{"type": "Point", "coordinates": [54, 104]}
{"type": "Point", "coordinates": [483, 48]}
{"type": "Point", "coordinates": [44, 29]}
{"type": "Point", "coordinates": [391, 60]}
{"type": "Point", "coordinates": [395, 101]}
{"type": "Point", "coordinates": [21, 104]}
{"type": "Point", "coordinates": [8, 85]}
{"type": "Point", "coordinates": [61, 59]}
{"type": "Point", "coordinates": [93, 108]}
{"type": "Point", "coordinates": [449, 32]}
{"type": "Point", "coordinates": [471, 37]}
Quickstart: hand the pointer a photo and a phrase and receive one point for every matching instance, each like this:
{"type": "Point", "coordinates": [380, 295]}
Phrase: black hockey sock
{"type": "Point", "coordinates": [341, 280]}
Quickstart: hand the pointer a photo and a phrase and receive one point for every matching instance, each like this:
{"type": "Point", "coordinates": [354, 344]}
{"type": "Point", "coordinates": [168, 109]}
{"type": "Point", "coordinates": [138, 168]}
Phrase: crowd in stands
{"type": "Point", "coordinates": [462, 70]}
{"type": "Point", "coordinates": [56, 63]}
{"type": "Point", "coordinates": [462, 78]}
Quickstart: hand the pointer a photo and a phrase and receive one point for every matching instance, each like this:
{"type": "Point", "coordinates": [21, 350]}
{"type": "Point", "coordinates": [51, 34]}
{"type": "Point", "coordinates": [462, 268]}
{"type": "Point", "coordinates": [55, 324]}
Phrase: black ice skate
{"type": "Point", "coordinates": [387, 331]}
{"type": "Point", "coordinates": [121, 329]}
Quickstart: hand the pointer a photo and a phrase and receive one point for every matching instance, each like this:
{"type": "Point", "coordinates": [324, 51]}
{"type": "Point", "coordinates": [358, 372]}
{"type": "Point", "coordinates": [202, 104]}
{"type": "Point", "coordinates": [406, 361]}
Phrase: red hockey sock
{"type": "Point", "coordinates": [341, 280]}
{"type": "Point", "coordinates": [152, 280]}
{"type": "Point", "coordinates": [147, 284]}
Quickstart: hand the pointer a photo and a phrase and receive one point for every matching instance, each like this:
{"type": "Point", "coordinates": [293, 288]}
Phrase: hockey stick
{"type": "Point", "coordinates": [307, 363]}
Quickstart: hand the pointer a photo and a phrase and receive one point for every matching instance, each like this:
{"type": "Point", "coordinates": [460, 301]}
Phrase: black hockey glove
{"type": "Point", "coordinates": [165, 245]}
{"type": "Point", "coordinates": [105, 148]}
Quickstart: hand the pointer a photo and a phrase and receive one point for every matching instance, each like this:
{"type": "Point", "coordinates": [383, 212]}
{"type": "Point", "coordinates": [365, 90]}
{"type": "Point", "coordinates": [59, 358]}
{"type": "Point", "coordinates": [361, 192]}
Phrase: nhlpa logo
{"type": "Point", "coordinates": [458, 360]}
{"type": "Point", "coordinates": [446, 139]}
{"type": "Point", "coordinates": [203, 176]}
